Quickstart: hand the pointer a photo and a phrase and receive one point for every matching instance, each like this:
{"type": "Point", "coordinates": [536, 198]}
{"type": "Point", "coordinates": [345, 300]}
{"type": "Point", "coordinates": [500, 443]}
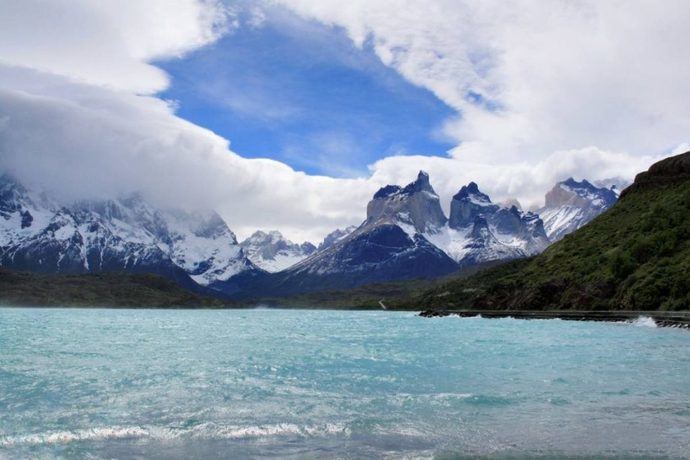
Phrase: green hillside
{"type": "Point", "coordinates": [636, 256]}
{"type": "Point", "coordinates": [97, 290]}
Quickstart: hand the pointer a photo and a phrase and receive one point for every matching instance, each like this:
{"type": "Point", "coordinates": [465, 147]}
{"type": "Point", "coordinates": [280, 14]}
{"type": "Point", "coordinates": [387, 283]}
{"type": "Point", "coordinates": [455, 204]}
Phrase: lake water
{"type": "Point", "coordinates": [325, 384]}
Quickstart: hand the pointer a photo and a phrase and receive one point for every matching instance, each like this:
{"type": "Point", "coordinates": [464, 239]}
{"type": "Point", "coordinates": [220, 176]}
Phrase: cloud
{"type": "Point", "coordinates": [543, 92]}
{"type": "Point", "coordinates": [527, 181]}
{"type": "Point", "coordinates": [107, 42]}
{"type": "Point", "coordinates": [99, 143]}
{"type": "Point", "coordinates": [530, 78]}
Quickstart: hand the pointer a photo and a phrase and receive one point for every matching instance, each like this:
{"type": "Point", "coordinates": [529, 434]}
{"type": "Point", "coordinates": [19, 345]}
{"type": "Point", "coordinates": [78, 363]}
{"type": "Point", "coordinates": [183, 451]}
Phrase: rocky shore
{"type": "Point", "coordinates": [662, 319]}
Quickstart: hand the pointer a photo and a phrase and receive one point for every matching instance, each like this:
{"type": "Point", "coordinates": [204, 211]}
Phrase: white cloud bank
{"type": "Point", "coordinates": [591, 90]}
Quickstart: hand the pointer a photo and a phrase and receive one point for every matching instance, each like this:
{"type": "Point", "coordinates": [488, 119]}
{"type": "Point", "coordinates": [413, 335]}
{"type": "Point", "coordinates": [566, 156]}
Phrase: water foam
{"type": "Point", "coordinates": [64, 437]}
{"type": "Point", "coordinates": [644, 321]}
{"type": "Point", "coordinates": [261, 431]}
{"type": "Point", "coordinates": [204, 431]}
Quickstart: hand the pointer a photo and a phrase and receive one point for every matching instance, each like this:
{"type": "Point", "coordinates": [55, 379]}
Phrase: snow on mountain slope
{"type": "Point", "coordinates": [406, 235]}
{"type": "Point", "coordinates": [335, 236]}
{"type": "Point", "coordinates": [204, 247]}
{"type": "Point", "coordinates": [481, 231]}
{"type": "Point", "coordinates": [571, 204]}
{"type": "Point", "coordinates": [273, 252]}
{"type": "Point", "coordinates": [416, 204]}
{"type": "Point", "coordinates": [388, 245]}
{"type": "Point", "coordinates": [128, 234]}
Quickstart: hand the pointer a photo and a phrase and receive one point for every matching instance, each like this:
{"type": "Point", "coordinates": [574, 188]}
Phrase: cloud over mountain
{"type": "Point", "coordinates": [543, 92]}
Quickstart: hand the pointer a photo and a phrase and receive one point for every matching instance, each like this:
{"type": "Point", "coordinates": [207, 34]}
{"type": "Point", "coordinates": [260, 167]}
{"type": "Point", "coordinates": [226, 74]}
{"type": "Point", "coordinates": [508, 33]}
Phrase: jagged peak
{"type": "Point", "coordinates": [388, 190]}
{"type": "Point", "coordinates": [307, 247]}
{"type": "Point", "coordinates": [584, 183]}
{"type": "Point", "coordinates": [422, 177]}
{"type": "Point", "coordinates": [471, 192]}
{"type": "Point", "coordinates": [421, 184]}
{"type": "Point", "coordinates": [587, 190]}
{"type": "Point", "coordinates": [266, 236]}
{"type": "Point", "coordinates": [335, 236]}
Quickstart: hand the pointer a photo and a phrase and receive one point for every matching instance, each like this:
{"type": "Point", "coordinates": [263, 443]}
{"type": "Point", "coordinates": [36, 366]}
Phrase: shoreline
{"type": "Point", "coordinates": [662, 319]}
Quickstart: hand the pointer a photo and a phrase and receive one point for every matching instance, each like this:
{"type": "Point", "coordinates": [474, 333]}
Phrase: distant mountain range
{"type": "Point", "coordinates": [405, 235]}
{"type": "Point", "coordinates": [39, 235]}
{"type": "Point", "coordinates": [273, 252]}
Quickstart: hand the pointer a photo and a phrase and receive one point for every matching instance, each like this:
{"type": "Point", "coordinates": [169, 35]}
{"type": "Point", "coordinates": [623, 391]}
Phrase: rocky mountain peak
{"type": "Point", "coordinates": [273, 252]}
{"type": "Point", "coordinates": [122, 234]}
{"type": "Point", "coordinates": [336, 236]}
{"type": "Point", "coordinates": [581, 194]}
{"type": "Point", "coordinates": [468, 204]}
{"type": "Point", "coordinates": [388, 190]}
{"type": "Point", "coordinates": [422, 184]}
{"type": "Point", "coordinates": [416, 204]}
{"type": "Point", "coordinates": [570, 204]}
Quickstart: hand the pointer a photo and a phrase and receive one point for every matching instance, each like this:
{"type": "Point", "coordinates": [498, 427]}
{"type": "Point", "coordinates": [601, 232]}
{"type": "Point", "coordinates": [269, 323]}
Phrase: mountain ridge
{"type": "Point", "coordinates": [405, 235]}
{"type": "Point", "coordinates": [125, 234]}
{"type": "Point", "coordinates": [273, 252]}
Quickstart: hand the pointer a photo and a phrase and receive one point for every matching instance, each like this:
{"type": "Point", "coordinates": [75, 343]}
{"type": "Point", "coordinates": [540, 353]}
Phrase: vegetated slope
{"type": "Point", "coordinates": [96, 290]}
{"type": "Point", "coordinates": [636, 256]}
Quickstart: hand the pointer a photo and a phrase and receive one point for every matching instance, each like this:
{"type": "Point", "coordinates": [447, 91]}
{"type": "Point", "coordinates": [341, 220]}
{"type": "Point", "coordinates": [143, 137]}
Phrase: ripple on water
{"type": "Point", "coordinates": [162, 384]}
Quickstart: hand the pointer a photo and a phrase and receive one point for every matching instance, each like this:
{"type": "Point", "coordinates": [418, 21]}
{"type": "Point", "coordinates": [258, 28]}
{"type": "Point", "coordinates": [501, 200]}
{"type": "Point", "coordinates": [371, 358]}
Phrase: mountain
{"type": "Point", "coordinates": [480, 231]}
{"type": "Point", "coordinates": [389, 245]}
{"type": "Point", "coordinates": [40, 235]}
{"type": "Point", "coordinates": [571, 204]}
{"type": "Point", "coordinates": [406, 235]}
{"type": "Point", "coordinates": [635, 256]}
{"type": "Point", "coordinates": [273, 252]}
{"type": "Point", "coordinates": [335, 236]}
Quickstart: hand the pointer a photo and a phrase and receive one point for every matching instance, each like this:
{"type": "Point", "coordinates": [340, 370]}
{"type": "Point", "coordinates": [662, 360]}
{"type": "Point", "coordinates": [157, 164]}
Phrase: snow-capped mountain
{"type": "Point", "coordinates": [38, 234]}
{"type": "Point", "coordinates": [481, 231]}
{"type": "Point", "coordinates": [273, 252]}
{"type": "Point", "coordinates": [389, 245]}
{"type": "Point", "coordinates": [406, 235]}
{"type": "Point", "coordinates": [416, 207]}
{"type": "Point", "coordinates": [335, 236]}
{"type": "Point", "coordinates": [615, 184]}
{"type": "Point", "coordinates": [571, 204]}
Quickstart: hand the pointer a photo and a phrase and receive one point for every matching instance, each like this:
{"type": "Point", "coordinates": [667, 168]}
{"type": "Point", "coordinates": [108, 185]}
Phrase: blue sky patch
{"type": "Point", "coordinates": [302, 93]}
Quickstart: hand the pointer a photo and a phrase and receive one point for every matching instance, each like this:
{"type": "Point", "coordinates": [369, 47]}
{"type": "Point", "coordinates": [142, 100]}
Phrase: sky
{"type": "Point", "coordinates": [304, 94]}
{"type": "Point", "coordinates": [290, 114]}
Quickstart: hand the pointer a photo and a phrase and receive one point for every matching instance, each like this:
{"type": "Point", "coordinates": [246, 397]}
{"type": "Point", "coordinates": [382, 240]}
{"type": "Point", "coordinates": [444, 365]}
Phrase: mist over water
{"type": "Point", "coordinates": [321, 384]}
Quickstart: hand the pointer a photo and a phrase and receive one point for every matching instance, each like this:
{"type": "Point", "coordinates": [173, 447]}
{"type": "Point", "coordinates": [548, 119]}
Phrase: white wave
{"type": "Point", "coordinates": [468, 317]}
{"type": "Point", "coordinates": [64, 437]}
{"type": "Point", "coordinates": [644, 321]}
{"type": "Point", "coordinates": [262, 431]}
{"type": "Point", "coordinates": [203, 431]}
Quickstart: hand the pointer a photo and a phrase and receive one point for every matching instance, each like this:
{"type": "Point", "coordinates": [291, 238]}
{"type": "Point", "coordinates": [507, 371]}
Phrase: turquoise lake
{"type": "Point", "coordinates": [99, 383]}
